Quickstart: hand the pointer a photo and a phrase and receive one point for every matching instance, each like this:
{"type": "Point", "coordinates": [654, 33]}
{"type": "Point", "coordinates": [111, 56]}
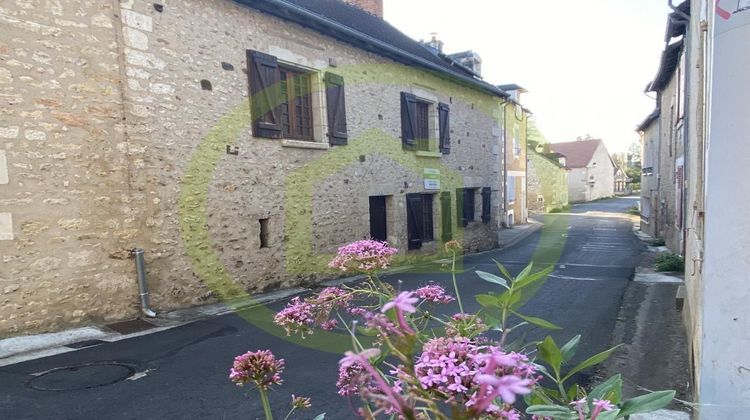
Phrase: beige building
{"type": "Point", "coordinates": [591, 172]}
{"type": "Point", "coordinates": [128, 125]}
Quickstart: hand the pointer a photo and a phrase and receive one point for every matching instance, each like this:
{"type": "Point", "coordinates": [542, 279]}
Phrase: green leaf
{"type": "Point", "coordinates": [646, 403]}
{"type": "Point", "coordinates": [487, 300]}
{"type": "Point", "coordinates": [569, 349]}
{"type": "Point", "coordinates": [503, 270]}
{"type": "Point", "coordinates": [554, 411]}
{"type": "Point", "coordinates": [591, 361]}
{"type": "Point", "coordinates": [550, 353]}
{"type": "Point", "coordinates": [539, 322]}
{"type": "Point", "coordinates": [320, 416]}
{"type": "Point", "coordinates": [611, 390]}
{"type": "Point", "coordinates": [492, 278]}
{"type": "Point", "coordinates": [609, 415]}
{"type": "Point", "coordinates": [531, 279]}
{"type": "Point", "coordinates": [525, 272]}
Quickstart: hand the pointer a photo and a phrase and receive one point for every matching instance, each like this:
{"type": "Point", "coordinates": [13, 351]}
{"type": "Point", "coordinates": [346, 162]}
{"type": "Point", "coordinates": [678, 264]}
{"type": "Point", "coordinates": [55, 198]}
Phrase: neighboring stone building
{"type": "Point", "coordinates": [516, 129]}
{"type": "Point", "coordinates": [129, 125]}
{"type": "Point", "coordinates": [649, 131]}
{"type": "Point", "coordinates": [591, 171]}
{"type": "Point", "coordinates": [664, 147]}
{"type": "Point", "coordinates": [547, 181]}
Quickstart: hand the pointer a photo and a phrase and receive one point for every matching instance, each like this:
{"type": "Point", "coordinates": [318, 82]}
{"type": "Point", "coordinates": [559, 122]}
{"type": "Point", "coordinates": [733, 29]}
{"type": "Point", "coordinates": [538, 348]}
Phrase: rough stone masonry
{"type": "Point", "coordinates": [108, 108]}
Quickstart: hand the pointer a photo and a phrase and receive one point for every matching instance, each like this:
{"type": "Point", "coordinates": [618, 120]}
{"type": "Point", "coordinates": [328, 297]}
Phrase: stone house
{"type": "Point", "coordinates": [238, 142]}
{"type": "Point", "coordinates": [622, 182]}
{"type": "Point", "coordinates": [591, 171]}
{"type": "Point", "coordinates": [649, 132]}
{"type": "Point", "coordinates": [547, 182]}
{"type": "Point", "coordinates": [664, 149]}
{"type": "Point", "coordinates": [516, 119]}
{"type": "Point", "coordinates": [692, 151]}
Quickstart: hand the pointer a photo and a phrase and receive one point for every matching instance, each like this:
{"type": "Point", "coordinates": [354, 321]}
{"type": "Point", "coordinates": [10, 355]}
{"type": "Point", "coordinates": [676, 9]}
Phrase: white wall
{"type": "Point", "coordinates": [724, 365]}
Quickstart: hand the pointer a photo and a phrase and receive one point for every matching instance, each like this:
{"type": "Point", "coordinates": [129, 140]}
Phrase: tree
{"type": "Point", "coordinates": [634, 155]}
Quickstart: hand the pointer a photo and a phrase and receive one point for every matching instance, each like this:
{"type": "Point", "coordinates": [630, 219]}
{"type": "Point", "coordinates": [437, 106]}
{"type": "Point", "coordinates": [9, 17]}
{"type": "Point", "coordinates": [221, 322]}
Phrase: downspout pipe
{"type": "Point", "coordinates": [140, 269]}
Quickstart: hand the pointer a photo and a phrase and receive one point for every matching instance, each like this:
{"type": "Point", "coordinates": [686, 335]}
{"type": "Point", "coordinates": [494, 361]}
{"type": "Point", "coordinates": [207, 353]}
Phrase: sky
{"type": "Point", "coordinates": [585, 63]}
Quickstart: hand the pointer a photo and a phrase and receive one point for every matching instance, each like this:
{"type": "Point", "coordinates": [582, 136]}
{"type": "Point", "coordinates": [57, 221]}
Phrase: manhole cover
{"type": "Point", "coordinates": [85, 376]}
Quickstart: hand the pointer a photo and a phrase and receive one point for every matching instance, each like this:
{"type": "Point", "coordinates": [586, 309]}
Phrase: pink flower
{"type": "Point", "coordinates": [392, 400]}
{"type": "Point", "coordinates": [579, 405]}
{"type": "Point", "coordinates": [298, 316]}
{"type": "Point", "coordinates": [366, 256]}
{"type": "Point", "coordinates": [434, 294]}
{"type": "Point", "coordinates": [301, 402]}
{"type": "Point", "coordinates": [403, 302]}
{"type": "Point", "coordinates": [506, 387]}
{"type": "Point", "coordinates": [599, 406]}
{"type": "Point", "coordinates": [329, 325]}
{"type": "Point", "coordinates": [260, 367]}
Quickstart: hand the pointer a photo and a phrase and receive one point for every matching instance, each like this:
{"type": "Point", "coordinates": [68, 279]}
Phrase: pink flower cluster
{"type": "Point", "coordinates": [433, 293]}
{"type": "Point", "coordinates": [260, 367]}
{"type": "Point", "coordinates": [365, 256]}
{"type": "Point", "coordinates": [473, 375]}
{"type": "Point", "coordinates": [447, 365]}
{"type": "Point", "coordinates": [299, 316]}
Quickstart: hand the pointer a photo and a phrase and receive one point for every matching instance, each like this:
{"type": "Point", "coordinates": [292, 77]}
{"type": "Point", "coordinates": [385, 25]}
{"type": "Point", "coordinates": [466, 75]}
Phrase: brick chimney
{"type": "Point", "coordinates": [374, 7]}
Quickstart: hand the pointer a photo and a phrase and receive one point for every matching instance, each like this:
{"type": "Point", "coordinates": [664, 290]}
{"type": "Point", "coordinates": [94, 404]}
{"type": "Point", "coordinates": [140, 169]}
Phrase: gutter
{"type": "Point", "coordinates": [283, 10]}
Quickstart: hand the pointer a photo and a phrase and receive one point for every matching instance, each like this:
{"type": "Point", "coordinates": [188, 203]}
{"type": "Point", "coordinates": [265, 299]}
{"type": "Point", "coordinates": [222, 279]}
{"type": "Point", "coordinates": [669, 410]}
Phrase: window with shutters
{"type": "Point", "coordinates": [425, 124]}
{"type": "Point", "coordinates": [419, 219]}
{"type": "Point", "coordinates": [299, 105]}
{"type": "Point", "coordinates": [296, 104]}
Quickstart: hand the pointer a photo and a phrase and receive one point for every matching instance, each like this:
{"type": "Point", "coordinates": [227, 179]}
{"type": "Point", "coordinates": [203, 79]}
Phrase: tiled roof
{"type": "Point", "coordinates": [578, 153]}
{"type": "Point", "coordinates": [355, 26]}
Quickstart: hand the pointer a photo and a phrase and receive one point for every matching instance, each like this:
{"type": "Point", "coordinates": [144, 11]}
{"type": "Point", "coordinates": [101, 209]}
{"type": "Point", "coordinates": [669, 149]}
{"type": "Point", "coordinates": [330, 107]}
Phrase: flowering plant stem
{"type": "Point", "coordinates": [266, 404]}
{"type": "Point", "coordinates": [455, 284]}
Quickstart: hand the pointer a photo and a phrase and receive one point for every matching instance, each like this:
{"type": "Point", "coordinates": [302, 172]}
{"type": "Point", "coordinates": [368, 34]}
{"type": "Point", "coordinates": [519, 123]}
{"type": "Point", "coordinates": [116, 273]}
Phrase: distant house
{"type": "Point", "coordinates": [591, 171]}
{"type": "Point", "coordinates": [622, 182]}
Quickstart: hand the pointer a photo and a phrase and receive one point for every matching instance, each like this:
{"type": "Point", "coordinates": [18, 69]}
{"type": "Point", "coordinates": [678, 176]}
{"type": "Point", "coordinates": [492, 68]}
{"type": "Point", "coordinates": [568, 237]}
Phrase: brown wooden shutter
{"type": "Point", "coordinates": [486, 204]}
{"type": "Point", "coordinates": [445, 128]}
{"type": "Point", "coordinates": [265, 97]}
{"type": "Point", "coordinates": [408, 120]}
{"type": "Point", "coordinates": [414, 219]}
{"type": "Point", "coordinates": [460, 210]}
{"type": "Point", "coordinates": [336, 109]}
{"type": "Point", "coordinates": [446, 222]}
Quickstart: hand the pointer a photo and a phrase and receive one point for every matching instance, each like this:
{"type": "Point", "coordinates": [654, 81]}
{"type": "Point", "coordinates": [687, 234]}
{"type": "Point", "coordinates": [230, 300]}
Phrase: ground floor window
{"type": "Point", "coordinates": [419, 219]}
{"type": "Point", "coordinates": [465, 203]}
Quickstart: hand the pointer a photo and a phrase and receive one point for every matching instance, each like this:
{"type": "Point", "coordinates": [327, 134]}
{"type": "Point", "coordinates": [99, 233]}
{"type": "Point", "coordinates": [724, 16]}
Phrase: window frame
{"type": "Point", "coordinates": [305, 103]}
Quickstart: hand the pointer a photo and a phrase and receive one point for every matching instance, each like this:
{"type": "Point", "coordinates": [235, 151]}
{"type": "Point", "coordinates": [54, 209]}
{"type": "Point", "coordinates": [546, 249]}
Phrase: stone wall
{"type": "Point", "coordinates": [547, 184]}
{"type": "Point", "coordinates": [65, 201]}
{"type": "Point", "coordinates": [650, 181]}
{"type": "Point", "coordinates": [670, 151]}
{"type": "Point", "coordinates": [115, 137]}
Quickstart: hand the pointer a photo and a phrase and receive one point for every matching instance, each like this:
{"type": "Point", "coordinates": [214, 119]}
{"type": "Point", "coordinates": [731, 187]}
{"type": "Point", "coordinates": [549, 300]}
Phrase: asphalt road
{"type": "Point", "coordinates": [181, 373]}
